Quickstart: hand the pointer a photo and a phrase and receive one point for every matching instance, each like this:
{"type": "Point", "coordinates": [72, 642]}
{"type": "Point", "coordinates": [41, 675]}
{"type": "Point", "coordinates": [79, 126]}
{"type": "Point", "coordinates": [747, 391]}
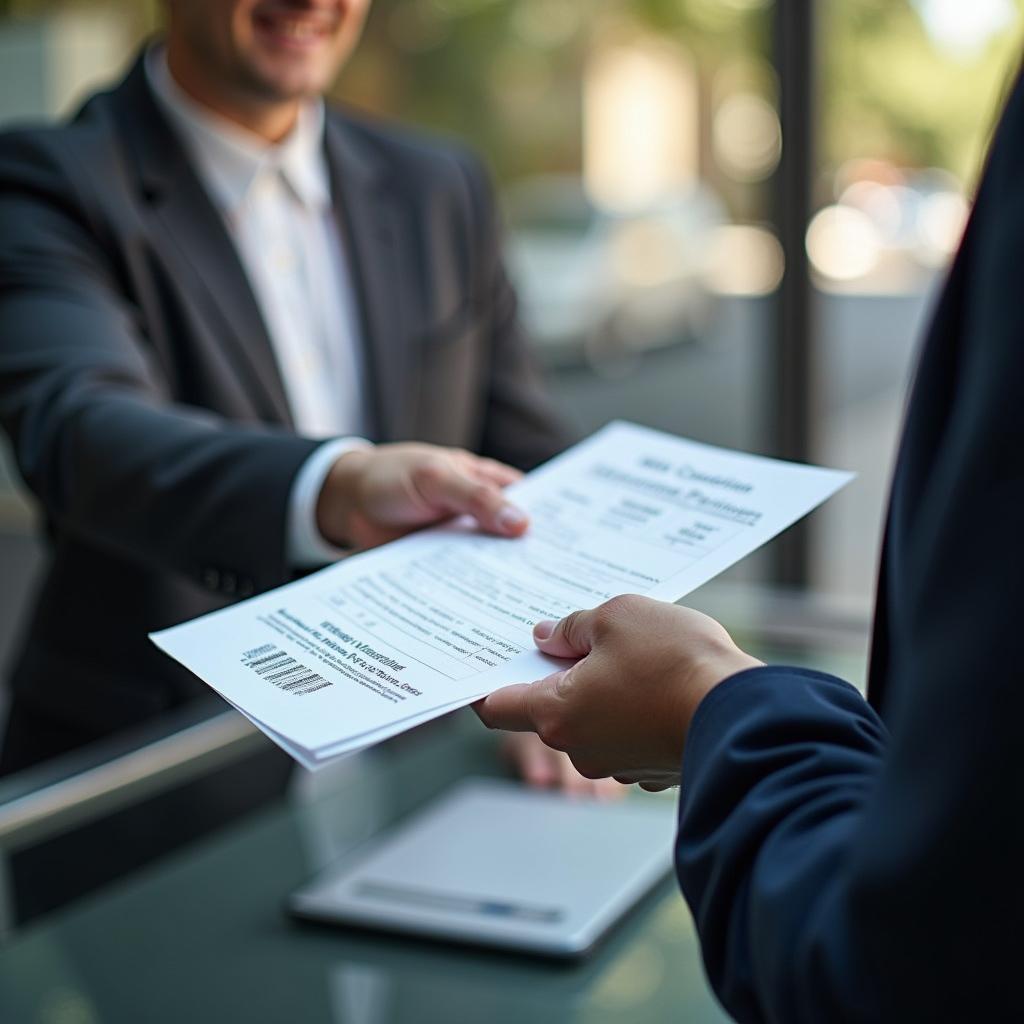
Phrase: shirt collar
{"type": "Point", "coordinates": [230, 158]}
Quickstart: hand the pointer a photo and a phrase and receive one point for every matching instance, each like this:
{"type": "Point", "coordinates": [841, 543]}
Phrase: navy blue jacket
{"type": "Point", "coordinates": [855, 861]}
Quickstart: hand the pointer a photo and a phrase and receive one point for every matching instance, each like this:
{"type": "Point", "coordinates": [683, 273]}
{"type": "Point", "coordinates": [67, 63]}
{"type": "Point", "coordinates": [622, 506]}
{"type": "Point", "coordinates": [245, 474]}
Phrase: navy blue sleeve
{"type": "Point", "coordinates": [833, 881]}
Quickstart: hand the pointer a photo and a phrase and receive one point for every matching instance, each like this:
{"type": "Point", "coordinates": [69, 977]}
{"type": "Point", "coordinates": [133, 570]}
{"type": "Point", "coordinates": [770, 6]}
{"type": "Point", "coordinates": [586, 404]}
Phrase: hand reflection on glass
{"type": "Point", "coordinates": [543, 768]}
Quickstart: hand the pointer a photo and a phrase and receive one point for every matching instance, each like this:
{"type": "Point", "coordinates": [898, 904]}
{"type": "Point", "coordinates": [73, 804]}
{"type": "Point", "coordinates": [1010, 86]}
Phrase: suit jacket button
{"type": "Point", "coordinates": [228, 582]}
{"type": "Point", "coordinates": [211, 579]}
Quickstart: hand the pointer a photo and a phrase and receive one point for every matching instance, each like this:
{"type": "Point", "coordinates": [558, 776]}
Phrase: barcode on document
{"type": "Point", "coordinates": [281, 669]}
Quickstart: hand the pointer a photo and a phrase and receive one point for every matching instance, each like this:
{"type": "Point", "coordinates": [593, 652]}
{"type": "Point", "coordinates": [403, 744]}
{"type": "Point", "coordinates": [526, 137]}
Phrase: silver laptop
{"type": "Point", "coordinates": [495, 864]}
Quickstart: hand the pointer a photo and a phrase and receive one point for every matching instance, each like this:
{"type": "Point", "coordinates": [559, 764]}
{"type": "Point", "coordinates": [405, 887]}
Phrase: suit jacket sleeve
{"type": "Point", "coordinates": [521, 426]}
{"type": "Point", "coordinates": [96, 434]}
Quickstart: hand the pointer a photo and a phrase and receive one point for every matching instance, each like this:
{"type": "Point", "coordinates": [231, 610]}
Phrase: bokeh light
{"type": "Point", "coordinates": [744, 259]}
{"type": "Point", "coordinates": [747, 137]}
{"type": "Point", "coordinates": [843, 243]}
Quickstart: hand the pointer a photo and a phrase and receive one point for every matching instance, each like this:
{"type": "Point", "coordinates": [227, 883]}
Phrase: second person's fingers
{"type": "Point", "coordinates": [570, 638]}
{"type": "Point", "coordinates": [518, 708]}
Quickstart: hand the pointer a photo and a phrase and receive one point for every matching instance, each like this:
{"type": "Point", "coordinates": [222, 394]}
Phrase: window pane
{"type": "Point", "coordinates": [911, 90]}
{"type": "Point", "coordinates": [633, 145]}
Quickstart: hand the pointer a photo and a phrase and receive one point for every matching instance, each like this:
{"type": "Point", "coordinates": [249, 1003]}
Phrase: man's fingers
{"type": "Point", "coordinates": [573, 637]}
{"type": "Point", "coordinates": [571, 781]}
{"type": "Point", "coordinates": [494, 472]}
{"type": "Point", "coordinates": [609, 789]}
{"type": "Point", "coordinates": [448, 489]}
{"type": "Point", "coordinates": [534, 762]}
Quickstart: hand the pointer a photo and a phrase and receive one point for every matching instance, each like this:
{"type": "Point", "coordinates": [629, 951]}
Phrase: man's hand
{"type": "Point", "coordinates": [543, 768]}
{"type": "Point", "coordinates": [374, 495]}
{"type": "Point", "coordinates": [625, 707]}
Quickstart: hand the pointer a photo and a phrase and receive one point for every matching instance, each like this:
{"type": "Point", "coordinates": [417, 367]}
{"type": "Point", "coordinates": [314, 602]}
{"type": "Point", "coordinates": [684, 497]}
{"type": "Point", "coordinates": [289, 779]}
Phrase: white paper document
{"type": "Point", "coordinates": [385, 640]}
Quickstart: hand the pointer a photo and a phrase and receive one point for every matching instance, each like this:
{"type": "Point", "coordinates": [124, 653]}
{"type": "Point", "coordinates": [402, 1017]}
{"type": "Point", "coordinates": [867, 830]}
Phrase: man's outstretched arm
{"type": "Point", "coordinates": [115, 460]}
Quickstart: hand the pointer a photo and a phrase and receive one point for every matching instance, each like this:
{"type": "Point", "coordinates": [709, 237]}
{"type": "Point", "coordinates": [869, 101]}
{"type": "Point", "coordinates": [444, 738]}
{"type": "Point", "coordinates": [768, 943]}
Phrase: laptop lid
{"type": "Point", "coordinates": [493, 863]}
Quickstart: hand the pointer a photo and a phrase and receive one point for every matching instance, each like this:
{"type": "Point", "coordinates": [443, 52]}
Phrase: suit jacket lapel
{"type": "Point", "coordinates": [202, 250]}
{"type": "Point", "coordinates": [372, 225]}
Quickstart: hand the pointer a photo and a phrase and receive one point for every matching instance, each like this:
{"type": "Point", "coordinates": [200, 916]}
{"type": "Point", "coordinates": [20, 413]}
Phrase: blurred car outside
{"type": "Point", "coordinates": [600, 287]}
{"type": "Point", "coordinates": [889, 230]}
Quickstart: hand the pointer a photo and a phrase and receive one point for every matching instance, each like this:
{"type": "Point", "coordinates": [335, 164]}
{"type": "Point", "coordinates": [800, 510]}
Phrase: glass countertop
{"type": "Point", "coordinates": [202, 935]}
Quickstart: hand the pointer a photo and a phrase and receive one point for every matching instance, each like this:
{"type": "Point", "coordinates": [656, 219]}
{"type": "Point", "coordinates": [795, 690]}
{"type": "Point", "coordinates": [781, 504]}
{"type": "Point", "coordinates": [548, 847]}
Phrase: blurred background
{"type": "Point", "coordinates": [727, 219]}
{"type": "Point", "coordinates": [638, 149]}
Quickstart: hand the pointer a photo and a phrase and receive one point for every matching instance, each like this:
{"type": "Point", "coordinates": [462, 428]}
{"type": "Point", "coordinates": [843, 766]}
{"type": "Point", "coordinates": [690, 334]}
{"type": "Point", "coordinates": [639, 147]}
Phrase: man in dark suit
{"type": "Point", "coordinates": [849, 860]}
{"type": "Point", "coordinates": [214, 292]}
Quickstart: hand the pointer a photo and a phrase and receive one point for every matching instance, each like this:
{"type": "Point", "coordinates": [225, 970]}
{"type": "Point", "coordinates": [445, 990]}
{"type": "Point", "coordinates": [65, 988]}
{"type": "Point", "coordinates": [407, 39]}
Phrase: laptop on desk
{"type": "Point", "coordinates": [492, 863]}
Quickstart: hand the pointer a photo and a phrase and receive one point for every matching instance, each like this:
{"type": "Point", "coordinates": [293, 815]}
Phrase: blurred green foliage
{"type": "Point", "coordinates": [505, 74]}
{"type": "Point", "coordinates": [889, 91]}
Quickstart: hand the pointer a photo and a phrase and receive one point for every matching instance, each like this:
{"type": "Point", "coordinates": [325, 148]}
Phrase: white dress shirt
{"type": "Point", "coordinates": [277, 207]}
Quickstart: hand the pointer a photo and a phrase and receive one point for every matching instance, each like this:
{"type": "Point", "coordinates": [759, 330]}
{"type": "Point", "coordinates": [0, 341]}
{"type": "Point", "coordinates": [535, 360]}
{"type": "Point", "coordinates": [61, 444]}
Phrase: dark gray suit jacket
{"type": "Point", "coordinates": [140, 391]}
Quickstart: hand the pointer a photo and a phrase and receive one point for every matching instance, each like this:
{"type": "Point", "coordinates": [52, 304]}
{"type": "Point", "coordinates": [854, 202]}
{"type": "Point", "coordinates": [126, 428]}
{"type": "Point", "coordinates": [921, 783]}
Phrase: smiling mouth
{"type": "Point", "coordinates": [299, 30]}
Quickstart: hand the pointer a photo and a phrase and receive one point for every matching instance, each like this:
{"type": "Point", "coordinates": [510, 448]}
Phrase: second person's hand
{"type": "Point", "coordinates": [624, 708]}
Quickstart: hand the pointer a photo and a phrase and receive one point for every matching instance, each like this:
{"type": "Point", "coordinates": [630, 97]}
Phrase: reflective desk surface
{"type": "Point", "coordinates": [202, 934]}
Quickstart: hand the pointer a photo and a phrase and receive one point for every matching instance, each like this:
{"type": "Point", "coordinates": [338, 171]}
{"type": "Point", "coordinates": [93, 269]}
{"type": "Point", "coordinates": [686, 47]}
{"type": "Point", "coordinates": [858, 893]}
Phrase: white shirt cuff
{"type": "Point", "coordinates": [306, 548]}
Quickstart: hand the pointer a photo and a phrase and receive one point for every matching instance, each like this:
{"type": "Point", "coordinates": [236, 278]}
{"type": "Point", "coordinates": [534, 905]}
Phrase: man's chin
{"type": "Point", "coordinates": [287, 87]}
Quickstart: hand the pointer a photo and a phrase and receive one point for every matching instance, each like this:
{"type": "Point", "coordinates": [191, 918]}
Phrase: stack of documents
{"type": "Point", "coordinates": [394, 637]}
